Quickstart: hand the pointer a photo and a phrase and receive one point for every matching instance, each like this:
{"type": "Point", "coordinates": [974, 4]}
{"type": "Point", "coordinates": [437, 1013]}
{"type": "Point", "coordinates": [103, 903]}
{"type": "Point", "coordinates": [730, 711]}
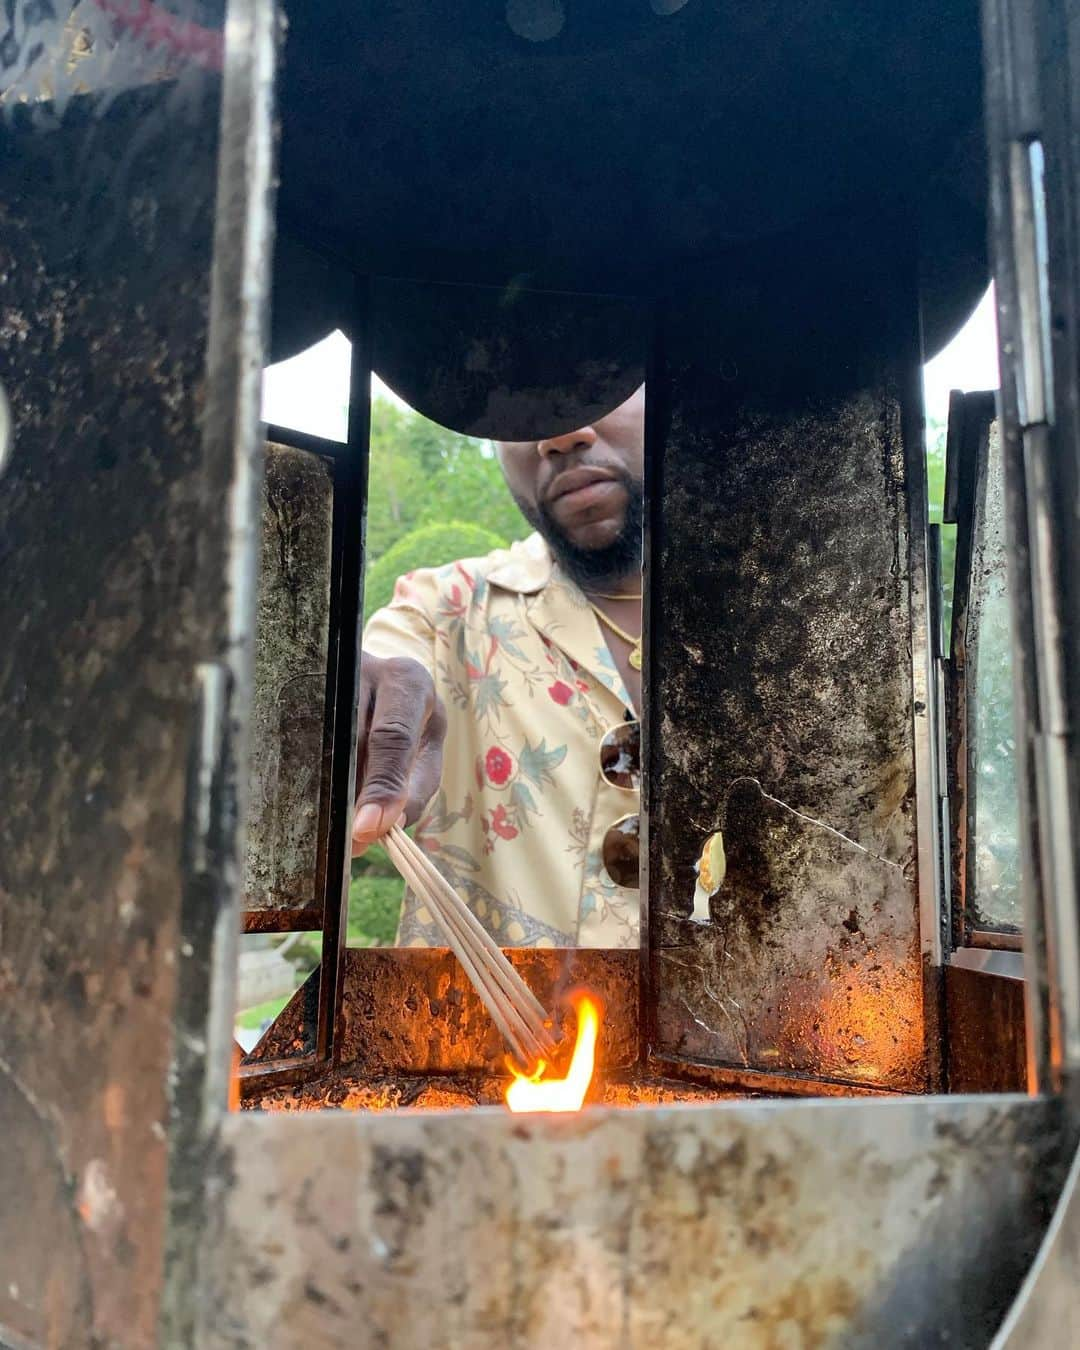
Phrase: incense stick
{"type": "Point", "coordinates": [508, 977]}
{"type": "Point", "coordinates": [514, 996]}
{"type": "Point", "coordinates": [517, 1013]}
{"type": "Point", "coordinates": [525, 1041]}
{"type": "Point", "coordinates": [501, 1009]}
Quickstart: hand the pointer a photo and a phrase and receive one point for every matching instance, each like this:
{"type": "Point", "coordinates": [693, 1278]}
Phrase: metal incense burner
{"type": "Point", "coordinates": [838, 1108]}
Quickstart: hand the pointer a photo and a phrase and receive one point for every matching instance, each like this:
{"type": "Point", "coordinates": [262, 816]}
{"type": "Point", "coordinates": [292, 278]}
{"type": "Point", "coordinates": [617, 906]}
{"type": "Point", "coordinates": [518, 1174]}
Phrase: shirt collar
{"type": "Point", "coordinates": [528, 567]}
{"type": "Point", "coordinates": [559, 610]}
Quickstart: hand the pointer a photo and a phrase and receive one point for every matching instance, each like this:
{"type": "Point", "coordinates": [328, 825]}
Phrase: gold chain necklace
{"type": "Point", "coordinates": [603, 595]}
{"type": "Point", "coordinates": [634, 642]}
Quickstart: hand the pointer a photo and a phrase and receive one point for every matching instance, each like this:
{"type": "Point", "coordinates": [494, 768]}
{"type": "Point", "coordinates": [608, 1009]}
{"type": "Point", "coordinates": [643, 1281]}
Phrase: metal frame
{"type": "Point", "coordinates": [966, 468]}
{"type": "Point", "coordinates": [1034, 259]}
{"type": "Point", "coordinates": [216, 780]}
{"type": "Point", "coordinates": [349, 460]}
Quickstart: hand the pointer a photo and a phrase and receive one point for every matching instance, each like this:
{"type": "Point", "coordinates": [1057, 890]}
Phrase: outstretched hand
{"type": "Point", "coordinates": [399, 750]}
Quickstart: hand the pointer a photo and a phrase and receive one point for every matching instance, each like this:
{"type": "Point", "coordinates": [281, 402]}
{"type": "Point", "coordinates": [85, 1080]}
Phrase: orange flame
{"type": "Point", "coordinates": [533, 1093]}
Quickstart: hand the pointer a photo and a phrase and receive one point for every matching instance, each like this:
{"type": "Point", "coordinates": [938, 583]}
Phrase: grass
{"type": "Point", "coordinates": [251, 1019]}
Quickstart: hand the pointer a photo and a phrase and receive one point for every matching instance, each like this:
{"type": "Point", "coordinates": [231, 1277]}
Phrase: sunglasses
{"type": "Point", "coordinates": [620, 765]}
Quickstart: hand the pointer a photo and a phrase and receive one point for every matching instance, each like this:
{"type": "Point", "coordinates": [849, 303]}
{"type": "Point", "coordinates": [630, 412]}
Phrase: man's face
{"type": "Point", "coordinates": [583, 491]}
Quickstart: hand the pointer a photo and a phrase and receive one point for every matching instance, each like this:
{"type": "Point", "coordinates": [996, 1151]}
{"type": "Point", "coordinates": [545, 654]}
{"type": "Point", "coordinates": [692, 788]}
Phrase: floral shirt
{"type": "Point", "coordinates": [530, 687]}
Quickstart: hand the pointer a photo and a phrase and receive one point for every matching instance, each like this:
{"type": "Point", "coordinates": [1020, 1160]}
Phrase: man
{"type": "Point", "coordinates": [504, 673]}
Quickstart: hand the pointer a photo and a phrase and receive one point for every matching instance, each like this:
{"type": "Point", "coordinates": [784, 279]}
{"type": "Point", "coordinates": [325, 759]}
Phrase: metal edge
{"type": "Point", "coordinates": [1044, 1309]}
{"type": "Point", "coordinates": [1006, 110]}
{"type": "Point", "coordinates": [233, 462]}
{"type": "Point", "coordinates": [347, 696]}
{"type": "Point", "coordinates": [1008, 965]}
{"type": "Point", "coordinates": [656, 423]}
{"type": "Point", "coordinates": [239, 323]}
{"type": "Point", "coordinates": [926, 717]}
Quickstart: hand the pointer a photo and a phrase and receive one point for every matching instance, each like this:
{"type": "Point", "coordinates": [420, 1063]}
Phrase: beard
{"type": "Point", "coordinates": [591, 567]}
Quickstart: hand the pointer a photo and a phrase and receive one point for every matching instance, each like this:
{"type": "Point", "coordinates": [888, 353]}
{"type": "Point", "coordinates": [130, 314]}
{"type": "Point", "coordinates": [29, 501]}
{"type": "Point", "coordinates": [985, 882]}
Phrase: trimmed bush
{"type": "Point", "coordinates": [428, 546]}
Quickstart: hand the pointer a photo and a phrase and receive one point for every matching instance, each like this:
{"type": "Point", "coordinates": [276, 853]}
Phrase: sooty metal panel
{"type": "Point", "coordinates": [288, 726]}
{"type": "Point", "coordinates": [780, 676]}
{"type": "Point", "coordinates": [106, 522]}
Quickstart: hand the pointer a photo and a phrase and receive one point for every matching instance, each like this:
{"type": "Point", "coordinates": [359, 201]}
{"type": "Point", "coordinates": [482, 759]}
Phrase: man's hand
{"type": "Point", "coordinates": [399, 748]}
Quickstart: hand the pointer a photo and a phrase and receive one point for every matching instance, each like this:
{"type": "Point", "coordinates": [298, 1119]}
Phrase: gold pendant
{"type": "Point", "coordinates": [635, 656]}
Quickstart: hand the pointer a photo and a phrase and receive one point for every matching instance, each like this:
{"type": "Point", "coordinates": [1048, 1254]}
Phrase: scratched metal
{"type": "Point", "coordinates": [105, 241]}
{"type": "Point", "coordinates": [807, 966]}
{"type": "Point", "coordinates": [813, 1224]}
{"type": "Point", "coordinates": [291, 644]}
{"type": "Point", "coordinates": [779, 637]}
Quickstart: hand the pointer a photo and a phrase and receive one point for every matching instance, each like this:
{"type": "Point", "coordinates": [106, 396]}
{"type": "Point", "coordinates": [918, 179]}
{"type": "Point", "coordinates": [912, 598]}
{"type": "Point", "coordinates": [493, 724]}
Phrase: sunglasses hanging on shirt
{"type": "Point", "coordinates": [620, 765]}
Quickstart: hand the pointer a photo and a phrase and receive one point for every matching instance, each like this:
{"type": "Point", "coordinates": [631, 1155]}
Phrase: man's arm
{"type": "Point", "coordinates": [402, 723]}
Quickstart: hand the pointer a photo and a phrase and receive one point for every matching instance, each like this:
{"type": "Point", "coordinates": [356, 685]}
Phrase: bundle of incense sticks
{"type": "Point", "coordinates": [520, 1017]}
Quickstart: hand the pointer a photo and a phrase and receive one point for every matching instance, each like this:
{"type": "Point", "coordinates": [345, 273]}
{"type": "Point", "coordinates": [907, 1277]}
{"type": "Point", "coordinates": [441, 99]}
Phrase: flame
{"type": "Point", "coordinates": [533, 1093]}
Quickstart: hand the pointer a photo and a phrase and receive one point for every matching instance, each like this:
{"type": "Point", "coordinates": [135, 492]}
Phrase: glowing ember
{"type": "Point", "coordinates": [535, 1093]}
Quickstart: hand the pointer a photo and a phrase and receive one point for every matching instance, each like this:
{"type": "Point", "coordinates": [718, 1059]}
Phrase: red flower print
{"type": "Point", "coordinates": [498, 765]}
{"type": "Point", "coordinates": [583, 685]}
{"type": "Point", "coordinates": [561, 692]}
{"type": "Point", "coordinates": [501, 825]}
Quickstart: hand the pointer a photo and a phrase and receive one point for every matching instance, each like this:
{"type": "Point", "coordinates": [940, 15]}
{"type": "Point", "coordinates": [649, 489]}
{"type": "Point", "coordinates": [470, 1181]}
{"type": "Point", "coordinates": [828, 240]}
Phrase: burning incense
{"type": "Point", "coordinates": [534, 1092]}
{"type": "Point", "coordinates": [514, 1009]}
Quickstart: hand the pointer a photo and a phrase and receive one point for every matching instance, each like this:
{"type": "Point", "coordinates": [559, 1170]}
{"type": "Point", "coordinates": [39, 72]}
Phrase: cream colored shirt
{"type": "Point", "coordinates": [530, 687]}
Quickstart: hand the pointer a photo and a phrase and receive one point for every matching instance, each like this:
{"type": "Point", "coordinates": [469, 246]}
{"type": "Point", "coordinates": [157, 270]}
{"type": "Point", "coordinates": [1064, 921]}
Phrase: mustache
{"type": "Point", "coordinates": [549, 489]}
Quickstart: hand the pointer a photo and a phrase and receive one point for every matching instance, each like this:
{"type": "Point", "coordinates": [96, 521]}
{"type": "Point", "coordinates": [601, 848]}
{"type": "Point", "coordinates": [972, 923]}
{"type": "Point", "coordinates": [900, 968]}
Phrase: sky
{"type": "Point", "coordinates": [969, 361]}
{"type": "Point", "coordinates": [310, 392]}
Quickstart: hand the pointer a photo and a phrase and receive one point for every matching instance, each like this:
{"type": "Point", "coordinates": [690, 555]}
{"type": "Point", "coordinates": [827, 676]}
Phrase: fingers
{"type": "Point", "coordinates": [399, 707]}
{"type": "Point", "coordinates": [427, 771]}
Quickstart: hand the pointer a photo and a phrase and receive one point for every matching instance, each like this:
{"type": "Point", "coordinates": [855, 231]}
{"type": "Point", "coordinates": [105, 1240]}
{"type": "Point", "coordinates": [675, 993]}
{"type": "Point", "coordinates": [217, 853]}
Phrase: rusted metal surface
{"type": "Point", "coordinates": [985, 1020]}
{"type": "Point", "coordinates": [345, 1091]}
{"type": "Point", "coordinates": [781, 700]}
{"type": "Point", "coordinates": [288, 719]}
{"type": "Point", "coordinates": [859, 1224]}
{"type": "Point", "coordinates": [105, 510]}
{"type": "Point", "coordinates": [292, 1032]}
{"type": "Point", "coordinates": [412, 1010]}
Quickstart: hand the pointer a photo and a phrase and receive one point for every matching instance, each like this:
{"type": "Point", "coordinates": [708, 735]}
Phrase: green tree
{"type": "Point", "coordinates": [428, 546]}
{"type": "Point", "coordinates": [422, 474]}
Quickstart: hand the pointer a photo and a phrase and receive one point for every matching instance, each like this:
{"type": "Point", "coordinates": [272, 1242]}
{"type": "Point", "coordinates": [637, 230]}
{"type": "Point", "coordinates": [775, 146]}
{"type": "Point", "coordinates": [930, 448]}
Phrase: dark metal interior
{"type": "Point", "coordinates": [791, 225]}
{"type": "Point", "coordinates": [784, 338]}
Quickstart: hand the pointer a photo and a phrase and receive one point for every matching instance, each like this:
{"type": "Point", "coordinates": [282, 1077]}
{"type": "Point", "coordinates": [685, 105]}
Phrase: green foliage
{"type": "Point", "coordinates": [253, 1019]}
{"type": "Point", "coordinates": [428, 546]}
{"type": "Point", "coordinates": [374, 900]}
{"type": "Point", "coordinates": [423, 474]}
{"type": "Point", "coordinates": [935, 475]}
{"type": "Point", "coordinates": [374, 905]}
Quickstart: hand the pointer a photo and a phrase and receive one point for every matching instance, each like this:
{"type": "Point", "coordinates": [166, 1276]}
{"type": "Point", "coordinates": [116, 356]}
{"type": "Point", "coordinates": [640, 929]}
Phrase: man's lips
{"type": "Point", "coordinates": [581, 484]}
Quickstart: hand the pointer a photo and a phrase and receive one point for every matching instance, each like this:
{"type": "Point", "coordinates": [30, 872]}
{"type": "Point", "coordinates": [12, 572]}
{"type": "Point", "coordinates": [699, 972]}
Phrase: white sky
{"type": "Point", "coordinates": [310, 392]}
{"type": "Point", "coordinates": [969, 362]}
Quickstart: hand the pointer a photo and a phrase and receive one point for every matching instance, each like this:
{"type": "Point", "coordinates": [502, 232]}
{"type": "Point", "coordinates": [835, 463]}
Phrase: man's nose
{"type": "Point", "coordinates": [582, 439]}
